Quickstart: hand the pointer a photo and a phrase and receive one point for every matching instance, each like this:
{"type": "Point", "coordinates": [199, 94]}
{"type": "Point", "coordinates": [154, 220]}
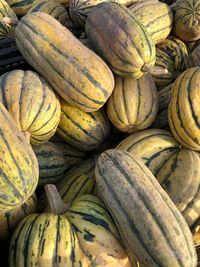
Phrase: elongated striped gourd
{"type": "Point", "coordinates": [123, 42]}
{"type": "Point", "coordinates": [85, 82]}
{"type": "Point", "coordinates": [194, 58]}
{"type": "Point", "coordinates": [6, 11]}
{"type": "Point", "coordinates": [19, 167]}
{"type": "Point", "coordinates": [47, 240]}
{"type": "Point", "coordinates": [85, 131]}
{"type": "Point", "coordinates": [133, 104]}
{"type": "Point", "coordinates": [157, 18]}
{"type": "Point", "coordinates": [187, 20]}
{"type": "Point", "coordinates": [21, 7]}
{"type": "Point", "coordinates": [157, 220]}
{"type": "Point", "coordinates": [96, 232]}
{"type": "Point", "coordinates": [51, 162]}
{"type": "Point", "coordinates": [153, 146]}
{"type": "Point", "coordinates": [79, 9]}
{"type": "Point", "coordinates": [9, 220]}
{"type": "Point", "coordinates": [183, 112]}
{"type": "Point", "coordinates": [32, 103]}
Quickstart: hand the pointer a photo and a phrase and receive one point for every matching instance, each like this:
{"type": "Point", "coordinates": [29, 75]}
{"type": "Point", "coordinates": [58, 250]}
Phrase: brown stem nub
{"type": "Point", "coordinates": [10, 21]}
{"type": "Point", "coordinates": [57, 205]}
{"type": "Point", "coordinates": [154, 70]}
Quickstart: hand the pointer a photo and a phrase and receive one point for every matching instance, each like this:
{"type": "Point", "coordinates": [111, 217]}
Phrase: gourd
{"type": "Point", "coordinates": [133, 104]}
{"type": "Point", "coordinates": [19, 167]}
{"type": "Point", "coordinates": [85, 82]}
{"type": "Point", "coordinates": [21, 7]}
{"type": "Point", "coordinates": [32, 103]}
{"type": "Point", "coordinates": [194, 57]}
{"type": "Point", "coordinates": [126, 185]}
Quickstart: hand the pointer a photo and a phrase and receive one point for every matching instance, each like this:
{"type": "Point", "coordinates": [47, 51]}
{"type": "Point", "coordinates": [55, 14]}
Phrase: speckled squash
{"type": "Point", "coordinates": [157, 18]}
{"type": "Point", "coordinates": [133, 104]}
{"type": "Point", "coordinates": [19, 167]}
{"type": "Point", "coordinates": [85, 82]}
{"type": "Point", "coordinates": [183, 112]}
{"type": "Point", "coordinates": [32, 103]}
{"type": "Point", "coordinates": [85, 131]}
{"type": "Point", "coordinates": [21, 7]}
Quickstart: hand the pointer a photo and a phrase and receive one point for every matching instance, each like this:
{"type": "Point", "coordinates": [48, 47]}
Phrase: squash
{"type": "Point", "coordinates": [52, 165]}
{"type": "Point", "coordinates": [186, 20]}
{"type": "Point", "coordinates": [119, 37]}
{"type": "Point", "coordinates": [85, 82]}
{"type": "Point", "coordinates": [31, 102]}
{"type": "Point", "coordinates": [147, 219]}
{"type": "Point", "coordinates": [84, 131]}
{"type": "Point", "coordinates": [21, 7]}
{"type": "Point", "coordinates": [133, 104]}
{"type": "Point", "coordinates": [183, 111]}
{"type": "Point", "coordinates": [19, 167]}
{"type": "Point", "coordinates": [156, 17]}
{"type": "Point", "coordinates": [6, 11]}
{"type": "Point", "coordinates": [194, 57]}
{"type": "Point", "coordinates": [9, 220]}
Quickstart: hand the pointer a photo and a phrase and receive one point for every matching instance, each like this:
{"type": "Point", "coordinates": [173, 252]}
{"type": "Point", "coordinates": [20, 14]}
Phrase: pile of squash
{"type": "Point", "coordinates": [99, 133]}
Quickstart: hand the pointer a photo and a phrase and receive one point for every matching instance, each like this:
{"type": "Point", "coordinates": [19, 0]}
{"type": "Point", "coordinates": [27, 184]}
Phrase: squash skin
{"type": "Point", "coordinates": [21, 7]}
{"type": "Point", "coordinates": [19, 174]}
{"type": "Point", "coordinates": [194, 58]}
{"type": "Point", "coordinates": [118, 169]}
{"type": "Point", "coordinates": [32, 103]}
{"type": "Point", "coordinates": [86, 81]}
{"type": "Point", "coordinates": [123, 42]}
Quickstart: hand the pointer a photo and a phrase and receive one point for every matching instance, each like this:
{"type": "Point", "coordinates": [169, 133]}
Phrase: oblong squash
{"type": "Point", "coordinates": [85, 81]}
{"type": "Point", "coordinates": [133, 104]}
{"type": "Point", "coordinates": [126, 186]}
{"type": "Point", "coordinates": [32, 103]}
{"type": "Point", "coordinates": [19, 167]}
{"type": "Point", "coordinates": [21, 7]}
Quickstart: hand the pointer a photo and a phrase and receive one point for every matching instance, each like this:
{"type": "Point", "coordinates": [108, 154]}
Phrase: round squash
{"type": "Point", "coordinates": [85, 131]}
{"type": "Point", "coordinates": [133, 104]}
{"type": "Point", "coordinates": [183, 111]}
{"type": "Point", "coordinates": [194, 58]}
{"type": "Point", "coordinates": [18, 165]}
{"type": "Point", "coordinates": [32, 103]}
{"type": "Point", "coordinates": [85, 82]}
{"type": "Point", "coordinates": [21, 7]}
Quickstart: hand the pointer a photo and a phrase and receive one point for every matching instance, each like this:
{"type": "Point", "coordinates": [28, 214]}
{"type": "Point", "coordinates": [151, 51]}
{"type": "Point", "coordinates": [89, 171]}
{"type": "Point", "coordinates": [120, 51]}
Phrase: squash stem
{"type": "Point", "coordinates": [154, 70]}
{"type": "Point", "coordinates": [10, 21]}
{"type": "Point", "coordinates": [56, 204]}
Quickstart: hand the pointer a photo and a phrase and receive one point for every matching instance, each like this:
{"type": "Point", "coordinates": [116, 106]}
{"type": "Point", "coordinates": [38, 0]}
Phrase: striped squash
{"type": "Point", "coordinates": [156, 234]}
{"type": "Point", "coordinates": [130, 58]}
{"type": "Point", "coordinates": [85, 131]}
{"type": "Point", "coordinates": [21, 7]}
{"type": "Point", "coordinates": [65, 3]}
{"type": "Point", "coordinates": [18, 165]}
{"type": "Point", "coordinates": [133, 104]}
{"type": "Point", "coordinates": [31, 102]}
{"type": "Point", "coordinates": [97, 233]}
{"type": "Point", "coordinates": [157, 18]}
{"type": "Point", "coordinates": [53, 8]}
{"type": "Point", "coordinates": [51, 162]}
{"type": "Point", "coordinates": [184, 112]}
{"type": "Point", "coordinates": [6, 11]}
{"type": "Point", "coordinates": [187, 20]}
{"type": "Point", "coordinates": [46, 240]}
{"type": "Point", "coordinates": [153, 146]}
{"type": "Point", "coordinates": [85, 82]}
{"type": "Point", "coordinates": [79, 9]}
{"type": "Point", "coordinates": [194, 58]}
{"type": "Point", "coordinates": [9, 220]}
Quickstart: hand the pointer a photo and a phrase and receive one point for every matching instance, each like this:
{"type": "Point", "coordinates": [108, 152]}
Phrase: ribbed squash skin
{"type": "Point", "coordinates": [46, 240]}
{"type": "Point", "coordinates": [65, 3]}
{"type": "Point", "coordinates": [85, 131]}
{"type": "Point", "coordinates": [180, 178]}
{"type": "Point", "coordinates": [19, 167]}
{"type": "Point", "coordinates": [186, 20]}
{"type": "Point", "coordinates": [51, 162]}
{"type": "Point", "coordinates": [79, 9]}
{"type": "Point", "coordinates": [21, 7]}
{"type": "Point", "coordinates": [153, 146]}
{"type": "Point", "coordinates": [32, 103]}
{"type": "Point", "coordinates": [126, 58]}
{"type": "Point", "coordinates": [133, 104]}
{"type": "Point", "coordinates": [51, 7]}
{"type": "Point", "coordinates": [184, 112]}
{"type": "Point", "coordinates": [96, 232]}
{"type": "Point", "coordinates": [9, 220]}
{"type": "Point", "coordinates": [6, 11]}
{"type": "Point", "coordinates": [157, 18]}
{"type": "Point", "coordinates": [157, 220]}
{"type": "Point", "coordinates": [85, 82]}
{"type": "Point", "coordinates": [194, 58]}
